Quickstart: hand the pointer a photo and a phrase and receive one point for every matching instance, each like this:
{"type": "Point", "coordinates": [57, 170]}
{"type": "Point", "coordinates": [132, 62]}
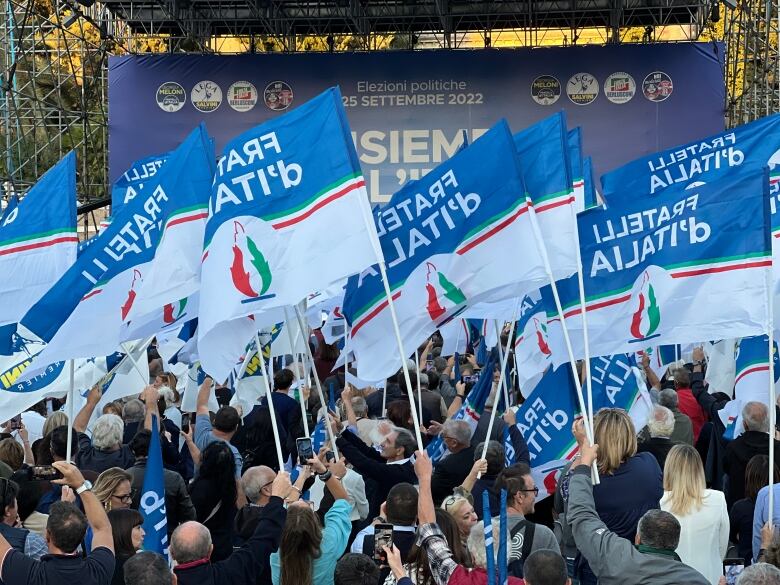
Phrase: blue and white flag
{"type": "Point", "coordinates": [281, 189]}
{"type": "Point", "coordinates": [12, 204]}
{"type": "Point", "coordinates": [533, 354]}
{"type": "Point", "coordinates": [131, 182]}
{"type": "Point", "coordinates": [38, 240]}
{"type": "Point", "coordinates": [675, 268]}
{"type": "Point", "coordinates": [488, 531]}
{"type": "Point", "coordinates": [319, 435]}
{"type": "Point", "coordinates": [152, 502]}
{"type": "Point", "coordinates": [82, 314]}
{"type": "Point", "coordinates": [445, 238]}
{"type": "Point", "coordinates": [544, 161]}
{"type": "Point", "coordinates": [574, 140]}
{"type": "Point", "coordinates": [589, 184]}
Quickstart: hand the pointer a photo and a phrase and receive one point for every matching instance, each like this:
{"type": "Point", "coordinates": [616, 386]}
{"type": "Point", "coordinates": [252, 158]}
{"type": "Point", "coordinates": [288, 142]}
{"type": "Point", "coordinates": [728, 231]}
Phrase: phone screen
{"type": "Point", "coordinates": [305, 449]}
{"type": "Point", "coordinates": [15, 423]}
{"type": "Point", "coordinates": [732, 569]}
{"type": "Point", "coordinates": [45, 472]}
{"type": "Point", "coordinates": [383, 536]}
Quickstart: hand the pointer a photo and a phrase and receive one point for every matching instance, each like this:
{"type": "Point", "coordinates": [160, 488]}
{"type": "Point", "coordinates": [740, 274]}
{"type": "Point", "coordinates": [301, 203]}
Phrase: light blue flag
{"type": "Point", "coordinates": [319, 435]}
{"type": "Point", "coordinates": [488, 527]}
{"type": "Point", "coordinates": [503, 536]}
{"type": "Point", "coordinates": [13, 202]}
{"type": "Point", "coordinates": [591, 197]}
{"type": "Point", "coordinates": [152, 503]}
{"type": "Point", "coordinates": [132, 181]}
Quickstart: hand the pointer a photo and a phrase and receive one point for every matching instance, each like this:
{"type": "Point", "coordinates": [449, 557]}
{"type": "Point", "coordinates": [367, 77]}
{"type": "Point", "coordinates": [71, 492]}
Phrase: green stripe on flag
{"type": "Point", "coordinates": [305, 204]}
{"type": "Point", "coordinates": [37, 236]}
{"type": "Point", "coordinates": [375, 301]}
{"type": "Point", "coordinates": [495, 219]}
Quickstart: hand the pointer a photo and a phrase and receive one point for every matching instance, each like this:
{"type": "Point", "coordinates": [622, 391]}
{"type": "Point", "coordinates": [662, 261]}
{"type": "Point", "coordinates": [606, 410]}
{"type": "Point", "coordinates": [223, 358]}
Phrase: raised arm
{"type": "Point", "coordinates": [202, 404]}
{"type": "Point", "coordinates": [652, 378]}
{"type": "Point", "coordinates": [479, 467]}
{"type": "Point", "coordinates": [426, 512]}
{"type": "Point", "coordinates": [29, 458]}
{"type": "Point", "coordinates": [96, 514]}
{"type": "Point", "coordinates": [81, 420]}
{"type": "Point", "coordinates": [150, 397]}
{"type": "Point", "coordinates": [460, 398]}
{"type": "Point", "coordinates": [346, 400]}
{"type": "Point", "coordinates": [330, 476]}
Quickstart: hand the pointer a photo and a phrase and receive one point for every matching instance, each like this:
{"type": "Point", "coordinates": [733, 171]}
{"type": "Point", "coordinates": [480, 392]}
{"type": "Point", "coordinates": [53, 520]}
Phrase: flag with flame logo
{"type": "Point", "coordinates": [137, 259]}
{"type": "Point", "coordinates": [446, 238]}
{"type": "Point", "coordinates": [288, 216]}
{"type": "Point", "coordinates": [533, 354]}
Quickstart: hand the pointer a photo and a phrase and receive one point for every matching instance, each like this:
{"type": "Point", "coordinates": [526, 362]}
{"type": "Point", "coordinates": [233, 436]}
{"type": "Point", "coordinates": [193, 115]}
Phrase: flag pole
{"type": "Point", "coordinates": [501, 380]}
{"type": "Point", "coordinates": [772, 397]}
{"type": "Point", "coordinates": [71, 384]}
{"type": "Point", "coordinates": [399, 342]}
{"type": "Point", "coordinates": [501, 352]}
{"type": "Point", "coordinates": [304, 414]}
{"type": "Point", "coordinates": [419, 390]}
{"type": "Point", "coordinates": [584, 317]}
{"type": "Point", "coordinates": [368, 220]}
{"type": "Point", "coordinates": [317, 383]}
{"type": "Point", "coordinates": [129, 355]}
{"type": "Point", "coordinates": [566, 339]}
{"type": "Point", "coordinates": [271, 407]}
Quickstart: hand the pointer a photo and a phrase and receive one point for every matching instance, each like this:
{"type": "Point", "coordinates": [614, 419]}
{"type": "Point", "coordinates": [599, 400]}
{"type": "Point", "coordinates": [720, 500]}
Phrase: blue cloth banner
{"type": "Point", "coordinates": [152, 502]}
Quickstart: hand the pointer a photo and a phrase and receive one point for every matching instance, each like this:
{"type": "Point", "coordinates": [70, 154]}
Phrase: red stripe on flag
{"type": "Point", "coordinates": [548, 206]}
{"type": "Point", "coordinates": [187, 218]}
{"type": "Point", "coordinates": [25, 247]}
{"type": "Point", "coordinates": [373, 314]}
{"type": "Point", "coordinates": [492, 232]}
{"type": "Point", "coordinates": [714, 269]}
{"type": "Point", "coordinates": [319, 205]}
{"type": "Point", "coordinates": [762, 368]}
{"type": "Point", "coordinates": [91, 294]}
{"type": "Point", "coordinates": [602, 304]}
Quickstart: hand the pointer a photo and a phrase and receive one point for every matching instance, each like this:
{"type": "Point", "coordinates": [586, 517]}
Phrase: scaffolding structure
{"type": "Point", "coordinates": [53, 53]}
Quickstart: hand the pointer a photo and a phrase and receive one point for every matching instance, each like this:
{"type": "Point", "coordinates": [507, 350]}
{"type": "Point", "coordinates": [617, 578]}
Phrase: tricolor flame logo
{"type": "Point", "coordinates": [451, 292]}
{"type": "Point", "coordinates": [647, 317]}
{"type": "Point", "coordinates": [257, 282]}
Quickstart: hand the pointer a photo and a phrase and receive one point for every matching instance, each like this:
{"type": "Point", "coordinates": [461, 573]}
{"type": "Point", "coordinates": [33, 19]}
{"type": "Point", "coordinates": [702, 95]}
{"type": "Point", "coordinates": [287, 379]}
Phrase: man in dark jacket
{"type": "Point", "coordinates": [191, 547]}
{"type": "Point", "coordinates": [381, 471]}
{"type": "Point", "coordinates": [453, 469]}
{"type": "Point", "coordinates": [256, 482]}
{"type": "Point", "coordinates": [178, 506]}
{"type": "Point", "coordinates": [754, 441]}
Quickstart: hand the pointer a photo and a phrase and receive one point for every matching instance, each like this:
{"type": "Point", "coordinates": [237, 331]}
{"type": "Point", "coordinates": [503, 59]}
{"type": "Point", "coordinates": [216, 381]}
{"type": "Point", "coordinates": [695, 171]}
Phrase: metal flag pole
{"type": "Point", "coordinates": [501, 353]}
{"type": "Point", "coordinates": [772, 397]}
{"type": "Point", "coordinates": [268, 396]}
{"type": "Point", "coordinates": [419, 389]}
{"type": "Point", "coordinates": [317, 383]}
{"type": "Point", "coordinates": [71, 384]}
{"type": "Point", "coordinates": [299, 379]}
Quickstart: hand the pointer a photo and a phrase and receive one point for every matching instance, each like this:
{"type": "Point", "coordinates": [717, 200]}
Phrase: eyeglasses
{"type": "Point", "coordinates": [265, 485]}
{"type": "Point", "coordinates": [124, 498]}
{"type": "Point", "coordinates": [450, 501]}
{"type": "Point", "coordinates": [534, 490]}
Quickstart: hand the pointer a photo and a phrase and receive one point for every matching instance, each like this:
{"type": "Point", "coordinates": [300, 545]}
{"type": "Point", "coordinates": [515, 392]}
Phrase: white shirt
{"type": "Point", "coordinates": [704, 537]}
{"type": "Point", "coordinates": [356, 494]}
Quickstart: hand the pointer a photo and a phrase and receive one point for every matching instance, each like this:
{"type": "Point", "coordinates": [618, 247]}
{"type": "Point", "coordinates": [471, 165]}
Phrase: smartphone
{"type": "Point", "coordinates": [383, 536]}
{"type": "Point", "coordinates": [305, 448]}
{"type": "Point", "coordinates": [45, 473]}
{"type": "Point", "coordinates": [330, 456]}
{"type": "Point", "coordinates": [732, 569]}
{"type": "Point", "coordinates": [15, 423]}
{"type": "Point", "coordinates": [185, 423]}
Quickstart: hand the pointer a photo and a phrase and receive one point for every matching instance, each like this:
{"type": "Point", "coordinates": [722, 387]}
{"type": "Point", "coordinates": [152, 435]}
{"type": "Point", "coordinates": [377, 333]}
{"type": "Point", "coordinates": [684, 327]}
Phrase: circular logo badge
{"type": "Point", "coordinates": [278, 95]}
{"type": "Point", "coordinates": [657, 86]}
{"type": "Point", "coordinates": [619, 88]}
{"type": "Point", "coordinates": [582, 89]}
{"type": "Point", "coordinates": [171, 96]}
{"type": "Point", "coordinates": [545, 90]}
{"type": "Point", "coordinates": [242, 96]}
{"type": "Point", "coordinates": [206, 96]}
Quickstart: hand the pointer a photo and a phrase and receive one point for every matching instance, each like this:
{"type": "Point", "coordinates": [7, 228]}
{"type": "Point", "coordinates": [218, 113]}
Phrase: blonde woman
{"type": "Point", "coordinates": [631, 482]}
{"type": "Point", "coordinates": [701, 512]}
{"type": "Point", "coordinates": [112, 488]}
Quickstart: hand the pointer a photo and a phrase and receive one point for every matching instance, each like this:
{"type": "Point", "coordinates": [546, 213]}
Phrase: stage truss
{"type": "Point", "coordinates": [54, 53]}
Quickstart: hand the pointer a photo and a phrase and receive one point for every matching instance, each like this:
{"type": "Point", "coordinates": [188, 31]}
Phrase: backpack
{"type": "Point", "coordinates": [515, 568]}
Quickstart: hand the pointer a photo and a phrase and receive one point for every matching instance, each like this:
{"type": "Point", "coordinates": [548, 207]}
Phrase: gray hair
{"type": "Point", "coordinates": [458, 430]}
{"type": "Point", "coordinates": [133, 411]}
{"type": "Point", "coordinates": [755, 416]}
{"type": "Point", "coordinates": [423, 380]}
{"type": "Point", "coordinates": [190, 541]}
{"type": "Point", "coordinates": [659, 529]}
{"type": "Point", "coordinates": [759, 574]}
{"type": "Point", "coordinates": [661, 422]}
{"type": "Point", "coordinates": [147, 568]}
{"type": "Point", "coordinates": [440, 364]}
{"type": "Point", "coordinates": [360, 406]}
{"type": "Point", "coordinates": [254, 479]}
{"type": "Point", "coordinates": [669, 399]}
{"type": "Point", "coordinates": [107, 432]}
{"type": "Point", "coordinates": [476, 544]}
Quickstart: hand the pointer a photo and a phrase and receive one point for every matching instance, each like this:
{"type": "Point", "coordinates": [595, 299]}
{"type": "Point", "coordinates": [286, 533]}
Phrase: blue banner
{"type": "Point", "coordinates": [408, 109]}
{"type": "Point", "coordinates": [739, 152]}
{"type": "Point", "coordinates": [574, 140]}
{"type": "Point", "coordinates": [152, 502]}
{"type": "Point", "coordinates": [132, 180]}
{"type": "Point", "coordinates": [544, 159]}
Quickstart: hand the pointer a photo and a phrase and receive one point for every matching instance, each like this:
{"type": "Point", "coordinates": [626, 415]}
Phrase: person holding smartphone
{"type": "Point", "coordinates": [308, 553]}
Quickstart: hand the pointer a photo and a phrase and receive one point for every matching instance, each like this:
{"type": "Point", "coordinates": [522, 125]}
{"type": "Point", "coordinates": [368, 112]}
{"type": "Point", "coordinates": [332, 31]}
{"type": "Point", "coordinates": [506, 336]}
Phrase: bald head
{"type": "Point", "coordinates": [256, 482]}
{"type": "Point", "coordinates": [755, 417]}
{"type": "Point", "coordinates": [190, 541]}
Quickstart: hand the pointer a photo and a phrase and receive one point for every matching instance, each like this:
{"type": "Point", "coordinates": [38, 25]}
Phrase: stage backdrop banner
{"type": "Point", "coordinates": [408, 109]}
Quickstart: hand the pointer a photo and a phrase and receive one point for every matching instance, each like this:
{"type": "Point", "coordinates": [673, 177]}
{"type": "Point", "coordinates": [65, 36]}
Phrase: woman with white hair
{"type": "Point", "coordinates": [105, 449]}
{"type": "Point", "coordinates": [704, 521]}
{"type": "Point", "coordinates": [660, 426]}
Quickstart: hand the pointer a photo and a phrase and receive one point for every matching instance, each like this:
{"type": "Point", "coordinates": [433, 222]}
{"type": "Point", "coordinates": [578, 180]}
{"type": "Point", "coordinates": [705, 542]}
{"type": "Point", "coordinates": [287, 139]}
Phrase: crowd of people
{"type": "Point", "coordinates": [659, 505]}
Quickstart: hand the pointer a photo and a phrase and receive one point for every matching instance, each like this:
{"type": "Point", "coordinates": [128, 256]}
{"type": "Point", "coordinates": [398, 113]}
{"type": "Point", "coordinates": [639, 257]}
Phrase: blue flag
{"type": "Point", "coordinates": [591, 198]}
{"type": "Point", "coordinates": [13, 202]}
{"type": "Point", "coordinates": [503, 536]}
{"type": "Point", "coordinates": [648, 261]}
{"type": "Point", "coordinates": [739, 152]}
{"type": "Point", "coordinates": [319, 435]}
{"type": "Point", "coordinates": [152, 502]}
{"type": "Point", "coordinates": [444, 238]}
{"type": "Point", "coordinates": [132, 181]}
{"type": "Point", "coordinates": [509, 449]}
